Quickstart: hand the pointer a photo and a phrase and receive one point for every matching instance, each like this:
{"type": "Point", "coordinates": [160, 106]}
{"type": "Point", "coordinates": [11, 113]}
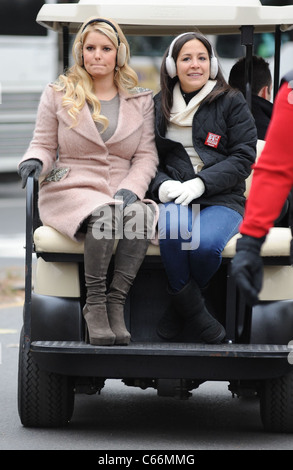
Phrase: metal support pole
{"type": "Point", "coordinates": [277, 60]}
{"type": "Point", "coordinates": [65, 33]}
{"type": "Point", "coordinates": [28, 259]}
{"type": "Point", "coordinates": [247, 41]}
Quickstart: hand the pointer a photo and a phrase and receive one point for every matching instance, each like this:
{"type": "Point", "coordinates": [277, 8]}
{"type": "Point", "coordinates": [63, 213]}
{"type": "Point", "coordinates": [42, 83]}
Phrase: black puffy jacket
{"type": "Point", "coordinates": [224, 136]}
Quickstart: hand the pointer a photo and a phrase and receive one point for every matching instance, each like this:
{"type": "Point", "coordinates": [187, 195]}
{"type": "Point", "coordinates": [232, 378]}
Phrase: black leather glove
{"type": "Point", "coordinates": [127, 196]}
{"type": "Point", "coordinates": [247, 267]}
{"type": "Point", "coordinates": [27, 167]}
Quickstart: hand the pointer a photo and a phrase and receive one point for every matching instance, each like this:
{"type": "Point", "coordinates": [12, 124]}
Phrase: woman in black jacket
{"type": "Point", "coordinates": [206, 140]}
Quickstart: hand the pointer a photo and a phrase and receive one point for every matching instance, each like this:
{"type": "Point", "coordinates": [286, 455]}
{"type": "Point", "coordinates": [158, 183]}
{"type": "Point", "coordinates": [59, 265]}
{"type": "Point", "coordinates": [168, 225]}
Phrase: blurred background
{"type": "Point", "coordinates": [31, 56]}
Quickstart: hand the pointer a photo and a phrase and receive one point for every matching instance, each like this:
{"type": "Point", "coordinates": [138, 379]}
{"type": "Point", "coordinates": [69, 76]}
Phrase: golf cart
{"type": "Point", "coordinates": [55, 360]}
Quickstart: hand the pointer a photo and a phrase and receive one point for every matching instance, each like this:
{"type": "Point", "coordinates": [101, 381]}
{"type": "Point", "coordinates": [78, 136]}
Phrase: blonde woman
{"type": "Point", "coordinates": [101, 127]}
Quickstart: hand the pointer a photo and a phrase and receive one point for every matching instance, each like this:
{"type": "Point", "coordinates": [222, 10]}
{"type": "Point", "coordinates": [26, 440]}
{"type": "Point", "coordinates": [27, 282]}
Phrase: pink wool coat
{"type": "Point", "coordinates": [91, 171]}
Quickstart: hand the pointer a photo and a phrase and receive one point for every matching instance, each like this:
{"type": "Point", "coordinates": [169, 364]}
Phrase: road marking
{"type": "Point", "coordinates": [11, 305]}
{"type": "Point", "coordinates": [7, 331]}
{"type": "Point", "coordinates": [12, 246]}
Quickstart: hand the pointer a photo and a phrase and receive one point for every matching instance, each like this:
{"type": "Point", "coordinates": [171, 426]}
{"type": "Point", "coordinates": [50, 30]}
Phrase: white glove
{"type": "Point", "coordinates": [166, 187]}
{"type": "Point", "coordinates": [189, 190]}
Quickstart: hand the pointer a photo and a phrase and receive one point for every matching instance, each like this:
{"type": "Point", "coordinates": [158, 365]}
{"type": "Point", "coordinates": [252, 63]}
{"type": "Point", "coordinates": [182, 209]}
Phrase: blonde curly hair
{"type": "Point", "coordinates": [77, 84]}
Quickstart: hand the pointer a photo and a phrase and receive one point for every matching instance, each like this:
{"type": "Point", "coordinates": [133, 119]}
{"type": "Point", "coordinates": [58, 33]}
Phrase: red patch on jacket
{"type": "Point", "coordinates": [212, 140]}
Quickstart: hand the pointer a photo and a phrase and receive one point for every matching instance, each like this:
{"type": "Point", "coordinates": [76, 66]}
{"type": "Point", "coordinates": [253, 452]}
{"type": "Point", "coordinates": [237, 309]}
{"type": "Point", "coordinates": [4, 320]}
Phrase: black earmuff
{"type": "Point", "coordinates": [121, 50]}
{"type": "Point", "coordinates": [171, 66]}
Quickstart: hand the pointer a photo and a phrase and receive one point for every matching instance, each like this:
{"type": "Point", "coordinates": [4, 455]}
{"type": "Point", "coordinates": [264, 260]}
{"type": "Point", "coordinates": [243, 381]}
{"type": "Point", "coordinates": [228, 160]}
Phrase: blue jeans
{"type": "Point", "coordinates": [192, 241]}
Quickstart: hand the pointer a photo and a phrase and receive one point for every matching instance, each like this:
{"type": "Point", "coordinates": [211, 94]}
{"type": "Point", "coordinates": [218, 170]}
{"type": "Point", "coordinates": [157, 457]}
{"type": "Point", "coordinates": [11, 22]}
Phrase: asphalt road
{"type": "Point", "coordinates": [121, 418]}
{"type": "Point", "coordinates": [126, 418]}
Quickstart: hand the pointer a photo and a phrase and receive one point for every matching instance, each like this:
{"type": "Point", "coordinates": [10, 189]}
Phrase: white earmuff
{"type": "Point", "coordinates": [171, 65]}
{"type": "Point", "coordinates": [170, 62]}
{"type": "Point", "coordinates": [214, 66]}
{"type": "Point", "coordinates": [78, 53]}
{"type": "Point", "coordinates": [121, 54]}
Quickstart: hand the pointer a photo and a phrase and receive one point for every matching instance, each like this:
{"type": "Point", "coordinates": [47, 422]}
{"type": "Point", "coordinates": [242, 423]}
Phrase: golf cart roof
{"type": "Point", "coordinates": [169, 17]}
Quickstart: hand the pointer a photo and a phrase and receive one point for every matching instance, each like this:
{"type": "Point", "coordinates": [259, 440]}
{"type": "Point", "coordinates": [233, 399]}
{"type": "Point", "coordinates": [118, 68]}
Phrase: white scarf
{"type": "Point", "coordinates": [180, 126]}
{"type": "Point", "coordinates": [182, 114]}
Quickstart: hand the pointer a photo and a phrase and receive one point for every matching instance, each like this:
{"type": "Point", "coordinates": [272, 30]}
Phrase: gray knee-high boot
{"type": "Point", "coordinates": [138, 219]}
{"type": "Point", "coordinates": [97, 256]}
{"type": "Point", "coordinates": [189, 306]}
{"type": "Point", "coordinates": [128, 258]}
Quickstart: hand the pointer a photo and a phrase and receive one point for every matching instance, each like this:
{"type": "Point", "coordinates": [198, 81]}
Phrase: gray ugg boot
{"type": "Point", "coordinates": [189, 307]}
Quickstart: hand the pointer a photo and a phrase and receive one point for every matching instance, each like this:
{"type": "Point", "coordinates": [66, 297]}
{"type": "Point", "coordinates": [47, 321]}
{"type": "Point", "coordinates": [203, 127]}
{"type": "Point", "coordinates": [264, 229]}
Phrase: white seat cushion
{"type": "Point", "coordinates": [48, 240]}
{"type": "Point", "coordinates": [277, 243]}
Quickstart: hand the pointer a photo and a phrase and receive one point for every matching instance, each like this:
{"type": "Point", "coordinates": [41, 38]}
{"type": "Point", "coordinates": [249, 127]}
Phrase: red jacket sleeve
{"type": "Point", "coordinates": [273, 173]}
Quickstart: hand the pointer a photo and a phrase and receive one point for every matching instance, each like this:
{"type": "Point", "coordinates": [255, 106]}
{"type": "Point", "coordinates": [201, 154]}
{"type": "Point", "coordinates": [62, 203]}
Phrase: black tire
{"type": "Point", "coordinates": [45, 399]}
{"type": "Point", "coordinates": [276, 404]}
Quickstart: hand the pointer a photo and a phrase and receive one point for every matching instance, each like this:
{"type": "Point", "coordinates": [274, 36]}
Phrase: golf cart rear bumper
{"type": "Point", "coordinates": [163, 360]}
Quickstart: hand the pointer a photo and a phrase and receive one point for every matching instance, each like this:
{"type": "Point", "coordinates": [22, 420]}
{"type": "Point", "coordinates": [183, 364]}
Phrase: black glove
{"type": "Point", "coordinates": [127, 196]}
{"type": "Point", "coordinates": [27, 167]}
{"type": "Point", "coordinates": [247, 267]}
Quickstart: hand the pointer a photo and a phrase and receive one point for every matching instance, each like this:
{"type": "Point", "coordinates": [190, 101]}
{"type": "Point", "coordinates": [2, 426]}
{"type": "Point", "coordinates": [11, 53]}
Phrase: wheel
{"type": "Point", "coordinates": [276, 404]}
{"type": "Point", "coordinates": [45, 399]}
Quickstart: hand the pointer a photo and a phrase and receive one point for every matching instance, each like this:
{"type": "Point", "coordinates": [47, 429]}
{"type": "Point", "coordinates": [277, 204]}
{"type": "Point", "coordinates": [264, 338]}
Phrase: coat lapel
{"type": "Point", "coordinates": [128, 113]}
{"type": "Point", "coordinates": [85, 127]}
{"type": "Point", "coordinates": [129, 120]}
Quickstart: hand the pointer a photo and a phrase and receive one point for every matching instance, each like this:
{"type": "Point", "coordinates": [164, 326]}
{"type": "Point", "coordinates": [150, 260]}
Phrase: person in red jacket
{"type": "Point", "coordinates": [271, 183]}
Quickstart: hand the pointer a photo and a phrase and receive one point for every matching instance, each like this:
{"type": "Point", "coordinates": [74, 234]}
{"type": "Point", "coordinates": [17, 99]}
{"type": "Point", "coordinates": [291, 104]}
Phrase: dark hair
{"type": "Point", "coordinates": [167, 83]}
{"type": "Point", "coordinates": [261, 75]}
